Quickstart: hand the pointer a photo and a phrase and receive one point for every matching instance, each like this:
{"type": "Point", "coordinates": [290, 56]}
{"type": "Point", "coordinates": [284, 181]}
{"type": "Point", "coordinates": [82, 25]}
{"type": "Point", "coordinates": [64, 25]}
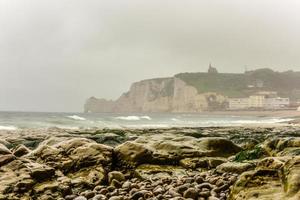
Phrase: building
{"type": "Point", "coordinates": [276, 103]}
{"type": "Point", "coordinates": [212, 70]}
{"type": "Point", "coordinates": [298, 108]}
{"type": "Point", "coordinates": [259, 102]}
{"type": "Point", "coordinates": [256, 101]}
{"type": "Point", "coordinates": [238, 103]}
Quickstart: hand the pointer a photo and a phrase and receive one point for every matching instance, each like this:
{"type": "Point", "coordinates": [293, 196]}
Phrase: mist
{"type": "Point", "coordinates": [55, 54]}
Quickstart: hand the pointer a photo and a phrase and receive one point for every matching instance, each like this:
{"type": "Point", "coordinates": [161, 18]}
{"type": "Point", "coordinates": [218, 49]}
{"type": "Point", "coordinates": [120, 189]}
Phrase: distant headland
{"type": "Point", "coordinates": [257, 90]}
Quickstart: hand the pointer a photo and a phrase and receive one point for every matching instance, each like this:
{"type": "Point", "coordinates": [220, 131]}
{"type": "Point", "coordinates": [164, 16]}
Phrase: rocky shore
{"type": "Point", "coordinates": [177, 163]}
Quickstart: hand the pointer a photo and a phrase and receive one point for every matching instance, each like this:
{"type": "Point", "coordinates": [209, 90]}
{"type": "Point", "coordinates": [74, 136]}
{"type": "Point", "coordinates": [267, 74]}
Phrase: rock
{"type": "Point", "coordinates": [70, 197]}
{"type": "Point", "coordinates": [273, 162]}
{"type": "Point", "coordinates": [88, 194]}
{"type": "Point", "coordinates": [73, 154]}
{"type": "Point", "coordinates": [213, 198]}
{"type": "Point", "coordinates": [139, 194]}
{"type": "Point", "coordinates": [5, 159]}
{"type": "Point", "coordinates": [291, 174]}
{"type": "Point", "coordinates": [21, 150]}
{"type": "Point", "coordinates": [162, 171]}
{"type": "Point", "coordinates": [235, 167]}
{"type": "Point", "coordinates": [258, 184]}
{"type": "Point", "coordinates": [190, 193]}
{"type": "Point", "coordinates": [287, 146]}
{"type": "Point", "coordinates": [116, 198]}
{"type": "Point", "coordinates": [41, 172]}
{"type": "Point", "coordinates": [115, 175]}
{"type": "Point", "coordinates": [99, 197]}
{"type": "Point", "coordinates": [111, 139]}
{"type": "Point", "coordinates": [126, 185]}
{"type": "Point", "coordinates": [158, 190]}
{"type": "Point", "coordinates": [204, 194]}
{"type": "Point", "coordinates": [4, 150]}
{"type": "Point", "coordinates": [171, 148]}
{"type": "Point", "coordinates": [80, 198]}
{"type": "Point", "coordinates": [132, 153]}
{"type": "Point", "coordinates": [203, 162]}
{"type": "Point", "coordinates": [116, 184]}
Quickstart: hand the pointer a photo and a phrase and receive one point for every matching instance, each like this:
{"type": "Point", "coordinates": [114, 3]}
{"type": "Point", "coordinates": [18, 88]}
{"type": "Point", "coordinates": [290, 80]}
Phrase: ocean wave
{"type": "Point", "coordinates": [176, 120]}
{"type": "Point", "coordinates": [76, 117]}
{"type": "Point", "coordinates": [146, 117]}
{"type": "Point", "coordinates": [133, 118]}
{"type": "Point", "coordinates": [8, 128]}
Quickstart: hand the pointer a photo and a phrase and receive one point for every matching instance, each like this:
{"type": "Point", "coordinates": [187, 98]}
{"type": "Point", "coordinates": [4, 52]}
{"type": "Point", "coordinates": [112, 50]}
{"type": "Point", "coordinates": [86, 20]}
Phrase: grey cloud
{"type": "Point", "coordinates": [54, 54]}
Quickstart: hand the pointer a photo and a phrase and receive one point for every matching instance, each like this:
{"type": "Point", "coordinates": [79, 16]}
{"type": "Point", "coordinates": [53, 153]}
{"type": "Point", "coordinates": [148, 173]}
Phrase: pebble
{"type": "Point", "coordinates": [80, 198]}
{"type": "Point", "coordinates": [197, 186]}
{"type": "Point", "coordinates": [190, 193]}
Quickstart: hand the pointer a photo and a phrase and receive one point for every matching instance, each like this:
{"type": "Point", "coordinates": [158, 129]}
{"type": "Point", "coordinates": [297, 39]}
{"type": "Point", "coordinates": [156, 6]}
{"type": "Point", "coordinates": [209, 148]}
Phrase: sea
{"type": "Point", "coordinates": [25, 120]}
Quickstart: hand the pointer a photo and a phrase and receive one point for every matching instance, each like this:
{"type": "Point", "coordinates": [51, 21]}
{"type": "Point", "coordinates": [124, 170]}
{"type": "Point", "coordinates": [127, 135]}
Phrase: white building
{"type": "Point", "coordinates": [258, 102]}
{"type": "Point", "coordinates": [238, 103]}
{"type": "Point", "coordinates": [276, 103]}
{"type": "Point", "coordinates": [298, 108]}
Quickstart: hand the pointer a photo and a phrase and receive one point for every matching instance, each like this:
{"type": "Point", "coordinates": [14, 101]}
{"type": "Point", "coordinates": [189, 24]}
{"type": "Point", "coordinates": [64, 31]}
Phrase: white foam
{"type": "Point", "coordinates": [133, 118]}
{"type": "Point", "coordinates": [76, 117]}
{"type": "Point", "coordinates": [146, 117]}
{"type": "Point", "coordinates": [8, 128]}
{"type": "Point", "coordinates": [129, 118]}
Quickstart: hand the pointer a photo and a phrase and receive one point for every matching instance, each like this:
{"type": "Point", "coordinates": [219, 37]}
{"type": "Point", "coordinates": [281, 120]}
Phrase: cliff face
{"type": "Point", "coordinates": [159, 95]}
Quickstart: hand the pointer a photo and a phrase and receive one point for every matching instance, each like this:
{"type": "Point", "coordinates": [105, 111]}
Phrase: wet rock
{"type": "Point", "coordinates": [115, 175]}
{"type": "Point", "coordinates": [161, 171]}
{"type": "Point", "coordinates": [139, 194]}
{"type": "Point", "coordinates": [21, 150]}
{"type": "Point", "coordinates": [204, 194]}
{"type": "Point", "coordinates": [190, 193]}
{"type": "Point", "coordinates": [80, 198]}
{"type": "Point", "coordinates": [4, 150]}
{"type": "Point", "coordinates": [133, 153]}
{"type": "Point", "coordinates": [235, 167]}
{"type": "Point", "coordinates": [5, 159]}
{"type": "Point", "coordinates": [116, 198]}
{"type": "Point", "coordinates": [259, 184]}
{"type": "Point", "coordinates": [88, 194]}
{"type": "Point", "coordinates": [41, 172]}
{"type": "Point", "coordinates": [99, 197]}
{"type": "Point", "coordinates": [70, 197]}
{"type": "Point", "coordinates": [170, 149]}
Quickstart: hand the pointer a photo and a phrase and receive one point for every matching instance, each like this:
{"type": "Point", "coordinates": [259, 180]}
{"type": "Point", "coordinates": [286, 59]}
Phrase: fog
{"type": "Point", "coordinates": [56, 53]}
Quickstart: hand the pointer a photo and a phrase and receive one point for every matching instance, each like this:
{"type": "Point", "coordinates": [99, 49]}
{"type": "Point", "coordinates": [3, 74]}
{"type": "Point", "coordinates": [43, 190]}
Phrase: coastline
{"type": "Point", "coordinates": [154, 163]}
{"type": "Point", "coordinates": [275, 113]}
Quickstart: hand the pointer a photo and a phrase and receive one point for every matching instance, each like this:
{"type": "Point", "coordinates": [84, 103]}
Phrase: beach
{"type": "Point", "coordinates": [151, 163]}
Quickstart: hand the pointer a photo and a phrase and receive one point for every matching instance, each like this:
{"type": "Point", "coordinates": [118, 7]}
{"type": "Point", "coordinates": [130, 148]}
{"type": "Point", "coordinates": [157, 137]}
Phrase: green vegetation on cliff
{"type": "Point", "coordinates": [287, 84]}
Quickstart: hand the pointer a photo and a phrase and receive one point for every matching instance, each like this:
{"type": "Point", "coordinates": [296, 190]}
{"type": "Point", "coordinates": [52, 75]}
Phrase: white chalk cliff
{"type": "Point", "coordinates": [159, 95]}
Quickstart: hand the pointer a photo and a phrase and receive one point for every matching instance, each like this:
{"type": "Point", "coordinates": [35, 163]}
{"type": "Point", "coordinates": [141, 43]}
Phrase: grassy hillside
{"type": "Point", "coordinates": [287, 84]}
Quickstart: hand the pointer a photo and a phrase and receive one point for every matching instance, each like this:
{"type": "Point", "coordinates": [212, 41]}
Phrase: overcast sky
{"type": "Point", "coordinates": [56, 53]}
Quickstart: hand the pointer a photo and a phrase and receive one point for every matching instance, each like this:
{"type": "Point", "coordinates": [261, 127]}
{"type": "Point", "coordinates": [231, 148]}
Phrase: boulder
{"type": "Point", "coordinates": [202, 162]}
{"type": "Point", "coordinates": [169, 149]}
{"type": "Point", "coordinates": [235, 167]}
{"type": "Point", "coordinates": [283, 146]}
{"type": "Point", "coordinates": [4, 150]}
{"type": "Point", "coordinates": [115, 175]}
{"type": "Point", "coordinates": [132, 153]}
{"type": "Point", "coordinates": [282, 182]}
{"type": "Point", "coordinates": [21, 150]}
{"type": "Point", "coordinates": [5, 159]}
{"type": "Point", "coordinates": [73, 154]}
{"type": "Point", "coordinates": [258, 184]}
{"type": "Point", "coordinates": [291, 177]}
